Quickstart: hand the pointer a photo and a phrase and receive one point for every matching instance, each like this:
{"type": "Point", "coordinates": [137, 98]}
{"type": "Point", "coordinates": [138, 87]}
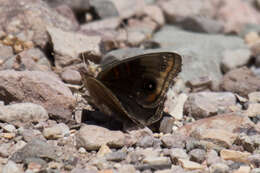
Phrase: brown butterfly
{"type": "Point", "coordinates": [135, 87]}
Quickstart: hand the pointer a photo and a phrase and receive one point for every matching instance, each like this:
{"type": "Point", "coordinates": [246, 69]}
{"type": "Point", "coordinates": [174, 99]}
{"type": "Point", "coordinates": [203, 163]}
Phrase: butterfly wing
{"type": "Point", "coordinates": [135, 87]}
{"type": "Point", "coordinates": [139, 84]}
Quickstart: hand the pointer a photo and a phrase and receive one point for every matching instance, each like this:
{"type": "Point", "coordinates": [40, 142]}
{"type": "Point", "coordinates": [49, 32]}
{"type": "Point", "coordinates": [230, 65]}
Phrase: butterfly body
{"type": "Point", "coordinates": [135, 87]}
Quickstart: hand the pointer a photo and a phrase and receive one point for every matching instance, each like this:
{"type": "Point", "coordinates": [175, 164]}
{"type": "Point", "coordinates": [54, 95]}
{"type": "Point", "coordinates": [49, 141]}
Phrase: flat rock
{"type": "Point", "coordinates": [242, 13]}
{"type": "Point", "coordinates": [30, 134]}
{"type": "Point", "coordinates": [254, 97]}
{"type": "Point", "coordinates": [30, 25]}
{"type": "Point", "coordinates": [190, 165]}
{"type": "Point", "coordinates": [233, 155]}
{"type": "Point", "coordinates": [173, 140]}
{"type": "Point", "coordinates": [253, 110]}
{"type": "Point", "coordinates": [77, 6]}
{"type": "Point", "coordinates": [92, 137]}
{"type": "Point", "coordinates": [126, 168]}
{"type": "Point", "coordinates": [235, 58]}
{"type": "Point", "coordinates": [68, 46]}
{"type": "Point", "coordinates": [241, 81]}
{"type": "Point", "coordinates": [35, 149]}
{"type": "Point", "coordinates": [178, 153]}
{"type": "Point", "coordinates": [202, 24]}
{"type": "Point", "coordinates": [124, 10]}
{"type": "Point", "coordinates": [212, 157]}
{"type": "Point", "coordinates": [197, 155]}
{"type": "Point", "coordinates": [104, 8]}
{"type": "Point", "coordinates": [6, 52]}
{"type": "Point", "coordinates": [157, 160]}
{"type": "Point", "coordinates": [243, 169]}
{"type": "Point", "coordinates": [11, 167]}
{"type": "Point", "coordinates": [155, 13]}
{"type": "Point", "coordinates": [23, 113]}
{"type": "Point", "coordinates": [71, 76]}
{"type": "Point", "coordinates": [103, 150]}
{"type": "Point", "coordinates": [116, 156]}
{"type": "Point", "coordinates": [205, 104]}
{"type": "Point", "coordinates": [219, 167]}
{"type": "Point", "coordinates": [230, 121]}
{"type": "Point", "coordinates": [204, 63]}
{"type": "Point", "coordinates": [175, 108]}
{"type": "Point", "coordinates": [108, 23]}
{"type": "Point", "coordinates": [224, 138]}
{"type": "Point", "coordinates": [185, 9]}
{"type": "Point", "coordinates": [43, 88]}
{"type": "Point", "coordinates": [32, 59]}
{"type": "Point", "coordinates": [57, 131]}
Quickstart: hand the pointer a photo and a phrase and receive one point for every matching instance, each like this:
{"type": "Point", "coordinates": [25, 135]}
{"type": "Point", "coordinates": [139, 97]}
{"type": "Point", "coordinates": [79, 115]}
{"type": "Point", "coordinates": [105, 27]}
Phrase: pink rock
{"type": "Point", "coordinates": [43, 88]}
{"type": "Point", "coordinates": [236, 13]}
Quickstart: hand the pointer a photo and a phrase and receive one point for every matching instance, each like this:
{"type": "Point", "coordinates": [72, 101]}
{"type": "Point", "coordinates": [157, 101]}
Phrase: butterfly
{"type": "Point", "coordinates": [134, 88]}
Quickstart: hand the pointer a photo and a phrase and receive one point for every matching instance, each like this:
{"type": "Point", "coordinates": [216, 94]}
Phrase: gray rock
{"type": "Point", "coordinates": [255, 170]}
{"type": "Point", "coordinates": [190, 45]}
{"type": "Point", "coordinates": [116, 156]}
{"type": "Point", "coordinates": [235, 21]}
{"type": "Point", "coordinates": [126, 168]}
{"type": "Point", "coordinates": [71, 77]}
{"type": "Point", "coordinates": [202, 24]}
{"type": "Point", "coordinates": [100, 25]}
{"type": "Point", "coordinates": [11, 167]}
{"type": "Point", "coordinates": [235, 58]}
{"type": "Point", "coordinates": [205, 104]}
{"type": "Point", "coordinates": [219, 167]}
{"type": "Point", "coordinates": [6, 52]}
{"type": "Point", "coordinates": [145, 142]}
{"type": "Point", "coordinates": [254, 97]}
{"type": "Point", "coordinates": [166, 124]}
{"type": "Point", "coordinates": [139, 134]}
{"type": "Point", "coordinates": [197, 155]}
{"type": "Point", "coordinates": [78, 170]}
{"type": "Point", "coordinates": [173, 141]}
{"type": "Point", "coordinates": [178, 153]}
{"type": "Point", "coordinates": [155, 13]}
{"type": "Point", "coordinates": [193, 143]}
{"type": "Point", "coordinates": [75, 5]}
{"type": "Point", "coordinates": [5, 149]}
{"type": "Point", "coordinates": [204, 126]}
{"type": "Point", "coordinates": [212, 157]}
{"type": "Point", "coordinates": [104, 8]}
{"type": "Point", "coordinates": [124, 10]}
{"type": "Point", "coordinates": [241, 81]}
{"type": "Point", "coordinates": [43, 88]}
{"type": "Point", "coordinates": [23, 113]}
{"type": "Point", "coordinates": [31, 25]}
{"type": "Point", "coordinates": [186, 9]}
{"type": "Point", "coordinates": [30, 59]}
{"type": "Point", "coordinates": [57, 131]}
{"type": "Point", "coordinates": [30, 134]}
{"type": "Point", "coordinates": [134, 157]}
{"type": "Point", "coordinates": [37, 149]}
{"type": "Point", "coordinates": [68, 46]}
{"type": "Point", "coordinates": [157, 162]}
{"type": "Point", "coordinates": [33, 160]}
{"type": "Point", "coordinates": [92, 137]}
{"type": "Point", "coordinates": [9, 128]}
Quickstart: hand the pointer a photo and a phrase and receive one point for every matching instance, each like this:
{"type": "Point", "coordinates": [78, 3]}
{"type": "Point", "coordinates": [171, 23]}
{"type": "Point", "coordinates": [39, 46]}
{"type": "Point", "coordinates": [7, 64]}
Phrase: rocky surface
{"type": "Point", "coordinates": [48, 122]}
